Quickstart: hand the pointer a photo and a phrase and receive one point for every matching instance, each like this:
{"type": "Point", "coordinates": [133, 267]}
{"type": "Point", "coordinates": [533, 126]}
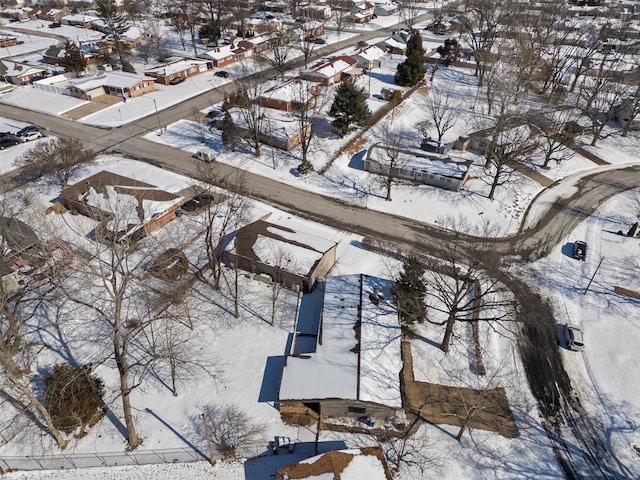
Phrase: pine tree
{"type": "Point", "coordinates": [412, 70]}
{"type": "Point", "coordinates": [116, 23]}
{"type": "Point", "coordinates": [349, 107]}
{"type": "Point", "coordinates": [73, 60]}
{"type": "Point", "coordinates": [449, 51]}
{"type": "Point", "coordinates": [229, 131]}
{"type": "Point", "coordinates": [409, 292]}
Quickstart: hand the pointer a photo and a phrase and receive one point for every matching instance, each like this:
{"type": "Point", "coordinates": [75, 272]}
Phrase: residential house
{"type": "Point", "coordinates": [17, 13]}
{"type": "Point", "coordinates": [395, 46]}
{"type": "Point", "coordinates": [17, 239]}
{"type": "Point", "coordinates": [227, 54]}
{"type": "Point", "coordinates": [345, 360]}
{"type": "Point", "coordinates": [316, 12]}
{"type": "Point", "coordinates": [51, 14]}
{"type": "Point", "coordinates": [623, 113]}
{"type": "Point", "coordinates": [418, 166]}
{"type": "Point", "coordinates": [19, 73]}
{"type": "Point", "coordinates": [53, 54]}
{"type": "Point", "coordinates": [256, 26]}
{"type": "Point", "coordinates": [277, 128]}
{"type": "Point", "coordinates": [312, 29]}
{"type": "Point", "coordinates": [79, 20]}
{"type": "Point", "coordinates": [259, 43]}
{"type": "Point", "coordinates": [120, 84]}
{"type": "Point", "coordinates": [362, 12]}
{"type": "Point", "coordinates": [279, 6]}
{"type": "Point", "coordinates": [175, 71]}
{"type": "Point", "coordinates": [125, 208]}
{"type": "Point", "coordinates": [294, 94]}
{"type": "Point", "coordinates": [515, 136]}
{"type": "Point", "coordinates": [371, 57]}
{"type": "Point", "coordinates": [352, 464]}
{"type": "Point", "coordinates": [331, 71]}
{"type": "Point", "coordinates": [294, 258]}
{"type": "Point", "coordinates": [10, 278]}
{"type": "Point", "coordinates": [386, 9]}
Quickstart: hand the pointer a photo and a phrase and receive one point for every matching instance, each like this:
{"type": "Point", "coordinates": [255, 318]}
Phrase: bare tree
{"type": "Point", "coordinates": [341, 15]}
{"type": "Point", "coordinates": [57, 157]}
{"type": "Point", "coordinates": [409, 12]}
{"type": "Point", "coordinates": [484, 16]}
{"type": "Point", "coordinates": [310, 101]}
{"type": "Point", "coordinates": [556, 138]}
{"type": "Point", "coordinates": [158, 40]}
{"type": "Point", "coordinates": [280, 53]}
{"type": "Point", "coordinates": [19, 307]}
{"type": "Point", "coordinates": [392, 159]}
{"type": "Point", "coordinates": [251, 113]}
{"type": "Point", "coordinates": [413, 452]}
{"type": "Point", "coordinates": [230, 428]}
{"type": "Point", "coordinates": [306, 45]}
{"type": "Point", "coordinates": [442, 115]}
{"type": "Point", "coordinates": [460, 291]}
{"type": "Point", "coordinates": [600, 93]}
{"type": "Point", "coordinates": [282, 262]}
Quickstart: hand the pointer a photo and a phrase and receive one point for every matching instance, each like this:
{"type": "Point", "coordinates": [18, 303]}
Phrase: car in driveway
{"type": "Point", "coordinates": [30, 135]}
{"type": "Point", "coordinates": [222, 74]}
{"type": "Point", "coordinates": [580, 250]}
{"type": "Point", "coordinates": [573, 335]}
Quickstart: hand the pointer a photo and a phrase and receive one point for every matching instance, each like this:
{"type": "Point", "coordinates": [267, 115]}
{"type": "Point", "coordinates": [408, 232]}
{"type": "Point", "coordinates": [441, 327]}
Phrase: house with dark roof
{"type": "Point", "coordinates": [351, 464]}
{"type": "Point", "coordinates": [16, 238]}
{"type": "Point", "coordinates": [294, 258]}
{"type": "Point", "coordinates": [345, 359]}
{"type": "Point", "coordinates": [124, 207]}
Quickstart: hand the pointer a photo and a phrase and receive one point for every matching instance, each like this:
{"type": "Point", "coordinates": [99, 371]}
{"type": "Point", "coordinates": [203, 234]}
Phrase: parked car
{"type": "Point", "coordinates": [30, 135]}
{"type": "Point", "coordinates": [27, 129]}
{"type": "Point", "coordinates": [177, 80]}
{"type": "Point", "coordinates": [222, 74]}
{"type": "Point", "coordinates": [55, 25]}
{"type": "Point", "coordinates": [362, 44]}
{"type": "Point", "coordinates": [319, 41]}
{"type": "Point", "coordinates": [214, 112]}
{"type": "Point", "coordinates": [573, 333]}
{"type": "Point", "coordinates": [8, 141]}
{"type": "Point", "coordinates": [580, 250]}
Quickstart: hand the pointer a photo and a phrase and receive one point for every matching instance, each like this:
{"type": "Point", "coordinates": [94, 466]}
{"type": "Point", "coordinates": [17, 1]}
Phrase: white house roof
{"type": "Point", "coordinates": [175, 67]}
{"type": "Point", "coordinates": [224, 51]}
{"type": "Point", "coordinates": [78, 17]}
{"type": "Point", "coordinates": [341, 362]}
{"type": "Point", "coordinates": [14, 69]}
{"type": "Point", "coordinates": [112, 79]}
{"type": "Point", "coordinates": [420, 160]}
{"type": "Point", "coordinates": [393, 43]}
{"type": "Point", "coordinates": [293, 250]}
{"type": "Point", "coordinates": [275, 123]}
{"type": "Point", "coordinates": [334, 66]}
{"type": "Point", "coordinates": [371, 53]}
{"type": "Point", "coordinates": [294, 90]}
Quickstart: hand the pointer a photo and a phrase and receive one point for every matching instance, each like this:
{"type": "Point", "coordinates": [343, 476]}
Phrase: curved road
{"type": "Point", "coordinates": [543, 364]}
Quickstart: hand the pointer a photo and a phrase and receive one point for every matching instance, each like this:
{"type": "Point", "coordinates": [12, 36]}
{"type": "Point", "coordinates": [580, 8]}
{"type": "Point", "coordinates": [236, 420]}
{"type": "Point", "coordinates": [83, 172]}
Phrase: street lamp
{"type": "Point", "coordinates": [155, 105]}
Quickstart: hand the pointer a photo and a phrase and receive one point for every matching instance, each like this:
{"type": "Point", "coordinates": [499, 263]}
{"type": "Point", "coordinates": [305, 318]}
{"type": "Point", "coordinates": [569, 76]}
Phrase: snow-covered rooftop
{"type": "Point", "coordinates": [175, 67]}
{"type": "Point", "coordinates": [334, 66]}
{"type": "Point", "coordinates": [336, 369]}
{"type": "Point", "coordinates": [112, 79]}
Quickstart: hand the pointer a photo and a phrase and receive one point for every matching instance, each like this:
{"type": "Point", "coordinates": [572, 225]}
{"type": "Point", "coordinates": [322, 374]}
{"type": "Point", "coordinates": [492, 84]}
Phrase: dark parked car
{"type": "Point", "coordinates": [222, 74]}
{"type": "Point", "coordinates": [319, 41]}
{"type": "Point", "coordinates": [580, 250]}
{"type": "Point", "coordinates": [55, 25]}
{"type": "Point", "coordinates": [27, 129]}
{"type": "Point", "coordinates": [177, 80]}
{"type": "Point", "coordinates": [362, 44]}
{"type": "Point", "coordinates": [8, 141]}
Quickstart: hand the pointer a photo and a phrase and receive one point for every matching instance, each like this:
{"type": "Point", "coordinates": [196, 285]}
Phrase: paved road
{"type": "Point", "coordinates": [543, 363]}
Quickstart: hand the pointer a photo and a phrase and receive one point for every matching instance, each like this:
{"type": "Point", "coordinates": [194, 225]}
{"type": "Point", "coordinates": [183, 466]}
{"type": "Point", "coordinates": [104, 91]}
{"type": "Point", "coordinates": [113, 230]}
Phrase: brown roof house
{"type": "Point", "coordinates": [352, 464]}
{"type": "Point", "coordinates": [345, 362]}
{"type": "Point", "coordinates": [125, 208]}
{"type": "Point", "coordinates": [294, 258]}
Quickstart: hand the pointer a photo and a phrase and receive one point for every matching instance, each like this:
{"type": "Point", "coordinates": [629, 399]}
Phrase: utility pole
{"type": "Point", "coordinates": [593, 276]}
{"type": "Point", "coordinates": [212, 460]}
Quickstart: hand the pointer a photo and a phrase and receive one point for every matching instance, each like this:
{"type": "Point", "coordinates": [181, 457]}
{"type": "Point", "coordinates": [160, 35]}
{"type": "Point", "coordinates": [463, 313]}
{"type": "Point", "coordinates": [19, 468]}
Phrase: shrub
{"type": "Point", "coordinates": [73, 397]}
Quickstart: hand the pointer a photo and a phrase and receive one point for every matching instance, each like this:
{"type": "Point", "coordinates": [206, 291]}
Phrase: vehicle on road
{"type": "Point", "coordinates": [8, 141]}
{"type": "Point", "coordinates": [222, 74]}
{"type": "Point", "coordinates": [205, 154]}
{"type": "Point", "coordinates": [30, 135]}
{"type": "Point", "coordinates": [573, 334]}
{"type": "Point", "coordinates": [580, 250]}
{"type": "Point", "coordinates": [55, 25]}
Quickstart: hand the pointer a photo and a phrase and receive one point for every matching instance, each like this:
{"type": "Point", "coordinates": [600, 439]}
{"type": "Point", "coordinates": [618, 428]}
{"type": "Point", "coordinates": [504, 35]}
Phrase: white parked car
{"type": "Point", "coordinates": [31, 135]}
{"type": "Point", "coordinates": [573, 333]}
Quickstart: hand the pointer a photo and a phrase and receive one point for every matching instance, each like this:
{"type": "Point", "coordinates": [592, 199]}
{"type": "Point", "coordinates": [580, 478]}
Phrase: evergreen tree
{"type": "Point", "coordinates": [412, 70]}
{"type": "Point", "coordinates": [73, 60]}
{"type": "Point", "coordinates": [229, 131]}
{"type": "Point", "coordinates": [449, 51]}
{"type": "Point", "coordinates": [349, 107]}
{"type": "Point", "coordinates": [116, 23]}
{"type": "Point", "coordinates": [409, 292]}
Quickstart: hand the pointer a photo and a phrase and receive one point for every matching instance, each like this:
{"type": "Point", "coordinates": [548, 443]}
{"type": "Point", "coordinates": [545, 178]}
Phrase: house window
{"type": "Point", "coordinates": [358, 410]}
